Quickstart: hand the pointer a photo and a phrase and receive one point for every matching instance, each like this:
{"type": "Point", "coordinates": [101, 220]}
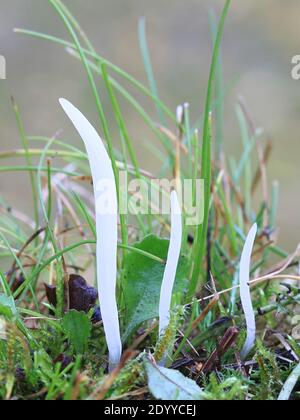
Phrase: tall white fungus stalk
{"type": "Point", "coordinates": [106, 226]}
{"type": "Point", "coordinates": [171, 265]}
{"type": "Point", "coordinates": [246, 292]}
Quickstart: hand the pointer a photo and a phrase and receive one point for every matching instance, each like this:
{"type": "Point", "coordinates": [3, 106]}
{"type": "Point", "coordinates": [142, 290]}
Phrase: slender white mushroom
{"type": "Point", "coordinates": [106, 226]}
{"type": "Point", "coordinates": [246, 293]}
{"type": "Point", "coordinates": [180, 114]}
{"type": "Point", "coordinates": [171, 265]}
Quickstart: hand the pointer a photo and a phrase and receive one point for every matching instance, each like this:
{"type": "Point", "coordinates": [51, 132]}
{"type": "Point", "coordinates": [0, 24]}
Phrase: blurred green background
{"type": "Point", "coordinates": [261, 36]}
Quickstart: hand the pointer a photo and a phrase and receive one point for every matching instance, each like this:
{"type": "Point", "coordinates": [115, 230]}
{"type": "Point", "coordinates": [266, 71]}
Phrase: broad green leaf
{"type": "Point", "coordinates": [77, 327]}
{"type": "Point", "coordinates": [169, 384]}
{"type": "Point", "coordinates": [142, 281]}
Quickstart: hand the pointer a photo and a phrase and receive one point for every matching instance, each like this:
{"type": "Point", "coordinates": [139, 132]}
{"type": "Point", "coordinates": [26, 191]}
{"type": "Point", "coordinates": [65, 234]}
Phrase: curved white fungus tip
{"type": "Point", "coordinates": [259, 131]}
{"type": "Point", "coordinates": [179, 114]}
{"type": "Point", "coordinates": [70, 51]}
{"type": "Point", "coordinates": [171, 265]}
{"type": "Point", "coordinates": [246, 293]}
{"type": "Point", "coordinates": [106, 225]}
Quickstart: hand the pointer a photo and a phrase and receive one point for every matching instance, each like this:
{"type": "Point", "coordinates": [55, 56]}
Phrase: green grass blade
{"type": "Point", "coordinates": [134, 82]}
{"type": "Point", "coordinates": [219, 92]}
{"type": "Point", "coordinates": [200, 243]}
{"type": "Point", "coordinates": [91, 80]}
{"type": "Point", "coordinates": [25, 144]}
{"type": "Point", "coordinates": [148, 67]}
{"type": "Point", "coordinates": [4, 284]}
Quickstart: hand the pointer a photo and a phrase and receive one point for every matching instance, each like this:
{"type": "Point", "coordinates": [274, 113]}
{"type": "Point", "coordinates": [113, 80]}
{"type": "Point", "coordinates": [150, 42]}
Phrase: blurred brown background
{"type": "Point", "coordinates": [260, 39]}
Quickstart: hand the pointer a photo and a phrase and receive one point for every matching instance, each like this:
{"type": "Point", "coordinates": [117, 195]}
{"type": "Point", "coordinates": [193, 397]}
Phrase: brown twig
{"type": "Point", "coordinates": [223, 346]}
{"type": "Point", "coordinates": [204, 313]}
{"type": "Point", "coordinates": [19, 254]}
